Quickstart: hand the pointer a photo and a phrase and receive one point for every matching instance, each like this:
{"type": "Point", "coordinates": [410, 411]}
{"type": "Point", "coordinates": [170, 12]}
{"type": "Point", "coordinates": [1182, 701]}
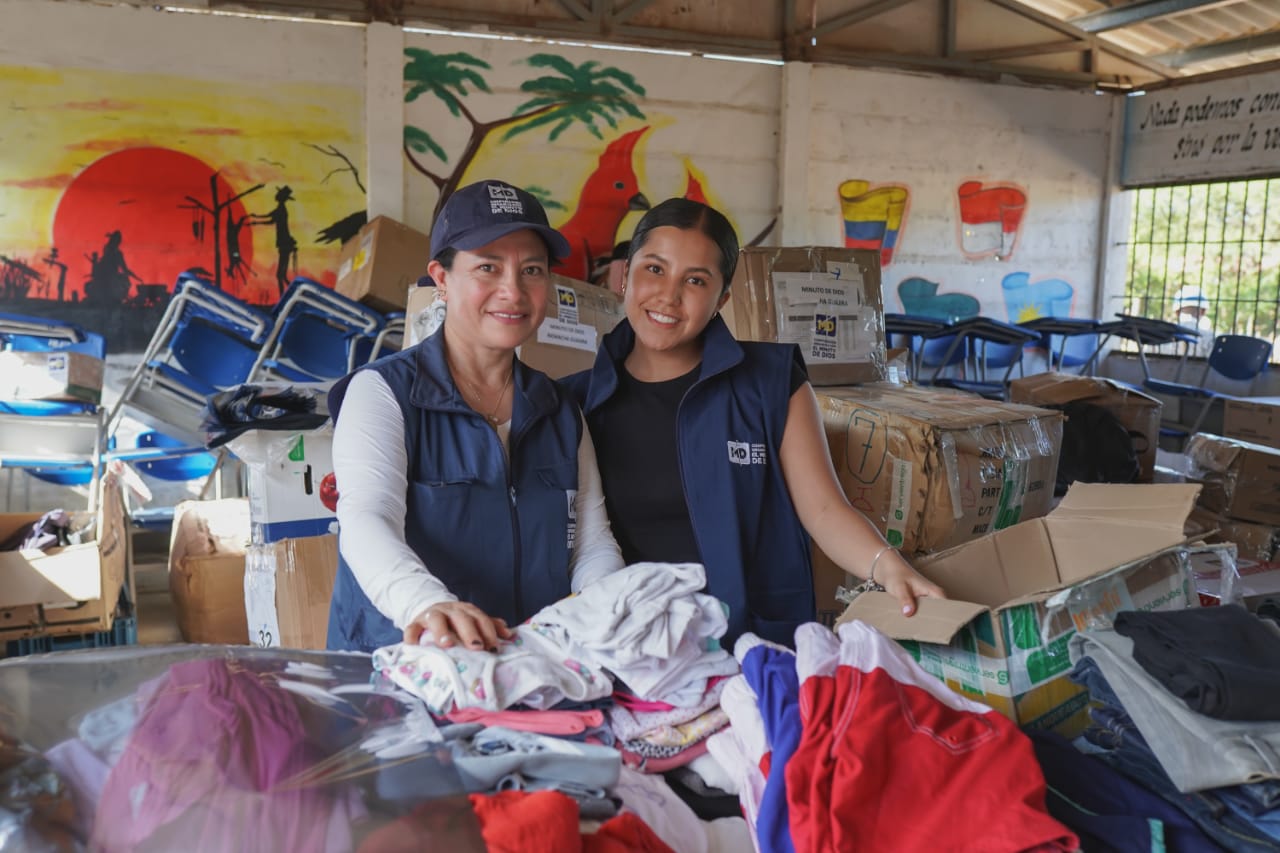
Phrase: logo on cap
{"type": "Point", "coordinates": [504, 200]}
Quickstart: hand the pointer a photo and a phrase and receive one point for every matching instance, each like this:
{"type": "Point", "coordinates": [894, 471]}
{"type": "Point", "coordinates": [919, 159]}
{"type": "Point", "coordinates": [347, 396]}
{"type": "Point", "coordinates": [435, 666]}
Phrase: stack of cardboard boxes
{"type": "Point", "coordinates": [1240, 501]}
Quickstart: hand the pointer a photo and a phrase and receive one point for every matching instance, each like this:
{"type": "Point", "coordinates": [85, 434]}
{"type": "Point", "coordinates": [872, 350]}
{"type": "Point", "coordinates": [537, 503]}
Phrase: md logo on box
{"type": "Point", "coordinates": [825, 328]}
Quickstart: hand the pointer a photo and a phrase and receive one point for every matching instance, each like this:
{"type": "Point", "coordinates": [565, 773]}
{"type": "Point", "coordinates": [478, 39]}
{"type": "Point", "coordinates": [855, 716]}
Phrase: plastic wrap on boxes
{"type": "Point", "coordinates": [221, 748]}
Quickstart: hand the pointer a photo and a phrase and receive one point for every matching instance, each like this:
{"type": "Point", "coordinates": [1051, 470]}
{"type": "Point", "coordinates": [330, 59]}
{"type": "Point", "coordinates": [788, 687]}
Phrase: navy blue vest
{"type": "Point", "coordinates": [730, 426]}
{"type": "Point", "coordinates": [498, 534]}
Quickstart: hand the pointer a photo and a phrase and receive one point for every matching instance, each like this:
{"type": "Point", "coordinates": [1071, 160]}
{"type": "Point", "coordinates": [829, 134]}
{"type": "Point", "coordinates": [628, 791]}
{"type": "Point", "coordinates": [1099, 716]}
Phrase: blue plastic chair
{"type": "Point", "coordinates": [205, 342]}
{"type": "Point", "coordinates": [1240, 358]}
{"type": "Point", "coordinates": [986, 343]}
{"type": "Point", "coordinates": [315, 334]}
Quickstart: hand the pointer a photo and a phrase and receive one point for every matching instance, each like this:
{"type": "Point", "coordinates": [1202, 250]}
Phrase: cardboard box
{"type": "Point", "coordinates": [380, 264]}
{"type": "Point", "coordinates": [292, 490]}
{"type": "Point", "coordinates": [1139, 413]}
{"type": "Point", "coordinates": [1253, 541]}
{"type": "Point", "coordinates": [287, 589]}
{"type": "Point", "coordinates": [55, 376]}
{"type": "Point", "coordinates": [934, 469]}
{"type": "Point", "coordinates": [1019, 594]}
{"type": "Point", "coordinates": [578, 316]}
{"type": "Point", "coordinates": [1222, 578]}
{"type": "Point", "coordinates": [1241, 480]}
{"type": "Point", "coordinates": [68, 590]}
{"type": "Point", "coordinates": [826, 300]}
{"type": "Point", "coordinates": [1253, 420]}
{"type": "Point", "coordinates": [206, 570]}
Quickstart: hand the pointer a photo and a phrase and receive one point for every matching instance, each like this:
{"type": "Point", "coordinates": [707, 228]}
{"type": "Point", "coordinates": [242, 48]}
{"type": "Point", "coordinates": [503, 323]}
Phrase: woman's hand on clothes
{"type": "Point", "coordinates": [458, 623]}
{"type": "Point", "coordinates": [904, 583]}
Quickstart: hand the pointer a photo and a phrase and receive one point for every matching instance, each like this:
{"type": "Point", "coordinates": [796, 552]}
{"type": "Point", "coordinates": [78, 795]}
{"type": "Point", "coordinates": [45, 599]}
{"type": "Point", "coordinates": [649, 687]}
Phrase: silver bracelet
{"type": "Point", "coordinates": [871, 576]}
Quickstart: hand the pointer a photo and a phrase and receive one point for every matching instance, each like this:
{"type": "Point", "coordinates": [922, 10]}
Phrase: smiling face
{"type": "Point", "coordinates": [674, 287]}
{"type": "Point", "coordinates": [497, 294]}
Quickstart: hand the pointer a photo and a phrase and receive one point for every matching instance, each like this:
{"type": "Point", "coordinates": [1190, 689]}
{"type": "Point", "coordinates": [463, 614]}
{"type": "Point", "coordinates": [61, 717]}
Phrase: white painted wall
{"type": "Point", "coordinates": [931, 134]}
{"type": "Point", "coordinates": [212, 47]}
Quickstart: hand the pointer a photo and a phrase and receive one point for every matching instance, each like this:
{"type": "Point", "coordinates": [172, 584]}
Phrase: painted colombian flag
{"type": "Point", "coordinates": [873, 218]}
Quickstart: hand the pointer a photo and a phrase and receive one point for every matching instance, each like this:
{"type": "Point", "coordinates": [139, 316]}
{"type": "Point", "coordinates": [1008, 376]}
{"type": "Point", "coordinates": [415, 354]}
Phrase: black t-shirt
{"type": "Point", "coordinates": [635, 438]}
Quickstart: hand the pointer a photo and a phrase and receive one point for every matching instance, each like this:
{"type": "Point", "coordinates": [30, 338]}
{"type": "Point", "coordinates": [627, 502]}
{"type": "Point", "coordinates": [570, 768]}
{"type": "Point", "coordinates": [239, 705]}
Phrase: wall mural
{"type": "Point", "coordinates": [1026, 300]}
{"type": "Point", "coordinates": [562, 95]}
{"type": "Point", "coordinates": [920, 296]}
{"type": "Point", "coordinates": [874, 216]}
{"type": "Point", "coordinates": [990, 219]}
{"type": "Point", "coordinates": [114, 183]}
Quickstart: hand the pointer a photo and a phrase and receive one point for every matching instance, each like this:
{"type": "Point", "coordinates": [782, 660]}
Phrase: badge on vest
{"type": "Point", "coordinates": [744, 453]}
{"type": "Point", "coordinates": [571, 524]}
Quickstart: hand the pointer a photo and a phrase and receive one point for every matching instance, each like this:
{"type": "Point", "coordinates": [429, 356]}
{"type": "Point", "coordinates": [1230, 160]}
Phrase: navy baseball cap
{"type": "Point", "coordinates": [480, 213]}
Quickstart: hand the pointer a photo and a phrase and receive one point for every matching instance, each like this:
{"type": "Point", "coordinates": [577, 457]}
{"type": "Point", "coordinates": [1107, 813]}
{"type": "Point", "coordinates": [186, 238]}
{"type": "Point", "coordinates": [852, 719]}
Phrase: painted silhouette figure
{"type": "Point", "coordinates": [110, 274]}
{"type": "Point", "coordinates": [286, 246]}
{"type": "Point", "coordinates": [236, 267]}
{"type": "Point", "coordinates": [53, 261]}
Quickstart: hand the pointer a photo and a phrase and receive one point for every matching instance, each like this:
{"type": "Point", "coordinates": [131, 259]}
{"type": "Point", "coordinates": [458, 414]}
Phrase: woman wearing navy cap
{"type": "Point", "coordinates": [469, 493]}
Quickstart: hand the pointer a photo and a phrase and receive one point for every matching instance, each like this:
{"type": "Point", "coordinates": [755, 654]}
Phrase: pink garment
{"type": "Point", "coordinates": [631, 724]}
{"type": "Point", "coordinates": [541, 722]}
{"type": "Point", "coordinates": [635, 703]}
{"type": "Point", "coordinates": [209, 767]}
{"type": "Point", "coordinates": [662, 765]}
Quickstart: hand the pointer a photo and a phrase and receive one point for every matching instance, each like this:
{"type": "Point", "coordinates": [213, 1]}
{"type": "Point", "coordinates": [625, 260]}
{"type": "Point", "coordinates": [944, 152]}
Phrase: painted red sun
{"type": "Point", "coordinates": [142, 193]}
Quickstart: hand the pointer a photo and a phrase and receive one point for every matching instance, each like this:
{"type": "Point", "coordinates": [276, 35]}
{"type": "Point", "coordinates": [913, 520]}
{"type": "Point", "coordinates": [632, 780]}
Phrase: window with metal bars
{"type": "Point", "coordinates": [1208, 256]}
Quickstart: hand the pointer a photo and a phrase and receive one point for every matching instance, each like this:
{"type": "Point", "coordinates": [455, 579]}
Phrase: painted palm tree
{"type": "Point", "coordinates": [586, 94]}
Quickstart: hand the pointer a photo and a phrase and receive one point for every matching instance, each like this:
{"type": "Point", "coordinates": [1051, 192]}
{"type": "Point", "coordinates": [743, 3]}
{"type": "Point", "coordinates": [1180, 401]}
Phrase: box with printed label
{"type": "Point", "coordinates": [1241, 480]}
{"type": "Point", "coordinates": [825, 300]}
{"type": "Point", "coordinates": [292, 488]}
{"type": "Point", "coordinates": [380, 264]}
{"type": "Point", "coordinates": [1137, 412]}
{"type": "Point", "coordinates": [1253, 420]}
{"type": "Point", "coordinates": [54, 376]}
{"type": "Point", "coordinates": [287, 589]}
{"type": "Point", "coordinates": [67, 589]}
{"type": "Point", "coordinates": [933, 469]}
{"type": "Point", "coordinates": [578, 316]}
{"type": "Point", "coordinates": [1019, 594]}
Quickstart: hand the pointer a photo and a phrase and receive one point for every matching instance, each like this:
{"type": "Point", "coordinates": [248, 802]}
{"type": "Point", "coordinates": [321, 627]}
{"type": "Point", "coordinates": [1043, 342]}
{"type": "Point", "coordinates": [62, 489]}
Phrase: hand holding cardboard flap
{"type": "Point", "coordinates": [934, 621]}
{"type": "Point", "coordinates": [1018, 596]}
{"type": "Point", "coordinates": [1096, 528]}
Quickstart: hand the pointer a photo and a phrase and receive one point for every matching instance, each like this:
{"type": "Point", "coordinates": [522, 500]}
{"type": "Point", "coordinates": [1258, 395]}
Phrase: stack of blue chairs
{"type": "Point", "coordinates": [318, 335]}
{"type": "Point", "coordinates": [208, 341]}
{"type": "Point", "coordinates": [59, 442]}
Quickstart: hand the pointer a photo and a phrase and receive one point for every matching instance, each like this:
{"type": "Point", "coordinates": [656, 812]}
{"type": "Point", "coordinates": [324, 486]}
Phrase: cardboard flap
{"type": "Point", "coordinates": [58, 576]}
{"type": "Point", "coordinates": [1165, 505]}
{"type": "Point", "coordinates": [935, 620]}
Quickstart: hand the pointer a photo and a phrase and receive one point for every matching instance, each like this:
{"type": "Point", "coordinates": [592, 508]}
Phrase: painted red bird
{"type": "Point", "coordinates": [693, 187]}
{"type": "Point", "coordinates": [610, 193]}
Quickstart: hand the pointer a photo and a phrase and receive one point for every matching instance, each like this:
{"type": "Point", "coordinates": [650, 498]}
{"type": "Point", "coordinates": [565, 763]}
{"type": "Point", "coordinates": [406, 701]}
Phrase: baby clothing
{"type": "Point", "coordinates": [680, 736]}
{"type": "Point", "coordinates": [629, 724]}
{"type": "Point", "coordinates": [649, 626]}
{"type": "Point", "coordinates": [530, 669]}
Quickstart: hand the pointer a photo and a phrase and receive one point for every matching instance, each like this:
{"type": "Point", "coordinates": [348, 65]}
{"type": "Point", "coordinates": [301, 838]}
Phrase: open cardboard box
{"type": "Point", "coordinates": [69, 590]}
{"type": "Point", "coordinates": [1019, 594]}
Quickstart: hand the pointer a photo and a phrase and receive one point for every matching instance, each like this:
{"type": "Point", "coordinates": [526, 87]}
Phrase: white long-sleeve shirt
{"type": "Point", "coordinates": [370, 463]}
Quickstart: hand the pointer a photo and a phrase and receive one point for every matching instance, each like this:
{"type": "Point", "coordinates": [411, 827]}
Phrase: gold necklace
{"type": "Point", "coordinates": [492, 417]}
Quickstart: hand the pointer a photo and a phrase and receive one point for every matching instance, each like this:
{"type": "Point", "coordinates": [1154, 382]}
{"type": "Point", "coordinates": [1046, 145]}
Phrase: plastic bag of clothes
{"type": "Point", "coordinates": [220, 748]}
